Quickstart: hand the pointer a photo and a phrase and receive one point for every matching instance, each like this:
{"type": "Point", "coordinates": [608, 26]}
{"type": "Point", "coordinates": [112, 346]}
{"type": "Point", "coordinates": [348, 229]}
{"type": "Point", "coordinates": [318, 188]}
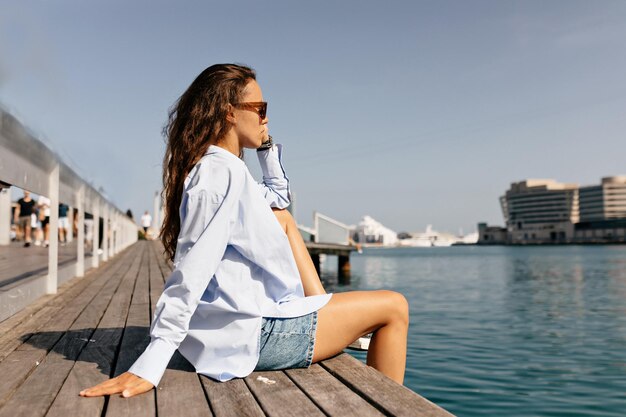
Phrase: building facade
{"type": "Point", "coordinates": [371, 232]}
{"type": "Point", "coordinates": [491, 235]}
{"type": "Point", "coordinates": [605, 201]}
{"type": "Point", "coordinates": [540, 211]}
{"type": "Point", "coordinates": [602, 212]}
{"type": "Point", "coordinates": [546, 211]}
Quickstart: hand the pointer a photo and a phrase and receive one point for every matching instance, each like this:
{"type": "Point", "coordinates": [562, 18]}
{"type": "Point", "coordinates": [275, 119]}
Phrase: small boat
{"type": "Point", "coordinates": [362, 343]}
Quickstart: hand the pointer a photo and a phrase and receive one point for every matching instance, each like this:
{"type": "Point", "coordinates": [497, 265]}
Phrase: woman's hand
{"type": "Point", "coordinates": [128, 384]}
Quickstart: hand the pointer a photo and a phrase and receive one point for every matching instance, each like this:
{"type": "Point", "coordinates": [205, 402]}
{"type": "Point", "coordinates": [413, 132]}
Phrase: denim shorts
{"type": "Point", "coordinates": [287, 342]}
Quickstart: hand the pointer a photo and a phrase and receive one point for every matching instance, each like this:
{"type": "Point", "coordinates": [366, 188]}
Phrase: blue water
{"type": "Point", "coordinates": [508, 331]}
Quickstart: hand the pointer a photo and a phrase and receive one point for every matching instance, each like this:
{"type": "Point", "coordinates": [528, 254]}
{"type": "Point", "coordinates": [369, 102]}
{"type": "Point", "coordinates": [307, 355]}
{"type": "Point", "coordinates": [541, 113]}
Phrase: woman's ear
{"type": "Point", "coordinates": [230, 116]}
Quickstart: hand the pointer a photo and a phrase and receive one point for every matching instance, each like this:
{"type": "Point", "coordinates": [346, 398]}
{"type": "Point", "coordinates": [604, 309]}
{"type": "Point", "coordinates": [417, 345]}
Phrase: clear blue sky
{"type": "Point", "coordinates": [413, 112]}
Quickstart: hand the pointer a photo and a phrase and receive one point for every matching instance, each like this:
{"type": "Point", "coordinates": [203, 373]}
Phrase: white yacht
{"type": "Point", "coordinates": [429, 238]}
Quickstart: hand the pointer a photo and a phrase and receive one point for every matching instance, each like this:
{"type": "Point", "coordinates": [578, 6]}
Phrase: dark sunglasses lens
{"type": "Point", "coordinates": [263, 111]}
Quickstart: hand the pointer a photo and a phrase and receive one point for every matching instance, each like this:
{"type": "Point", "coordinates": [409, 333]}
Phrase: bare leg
{"type": "Point", "coordinates": [310, 279]}
{"type": "Point", "coordinates": [350, 315]}
{"type": "Point", "coordinates": [27, 233]}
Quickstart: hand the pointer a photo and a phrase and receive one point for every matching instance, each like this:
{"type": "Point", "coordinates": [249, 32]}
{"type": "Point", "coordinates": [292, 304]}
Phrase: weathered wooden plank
{"type": "Point", "coordinates": [17, 262]}
{"type": "Point", "coordinates": [180, 387]}
{"type": "Point", "coordinates": [329, 394]}
{"type": "Point", "coordinates": [135, 339]}
{"type": "Point", "coordinates": [156, 278]}
{"type": "Point", "coordinates": [231, 399]}
{"type": "Point", "coordinates": [44, 340]}
{"type": "Point", "coordinates": [166, 266]}
{"type": "Point", "coordinates": [15, 370]}
{"type": "Point", "coordinates": [381, 391]}
{"type": "Point", "coordinates": [36, 394]}
{"type": "Point", "coordinates": [72, 342]}
{"type": "Point", "coordinates": [29, 311]}
{"type": "Point", "coordinates": [280, 398]}
{"type": "Point", "coordinates": [88, 287]}
{"type": "Point", "coordinates": [95, 363]}
{"type": "Point", "coordinates": [13, 337]}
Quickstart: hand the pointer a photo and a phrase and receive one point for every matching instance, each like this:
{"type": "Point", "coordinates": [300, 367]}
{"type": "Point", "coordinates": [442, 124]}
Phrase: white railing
{"type": "Point", "coordinates": [25, 162]}
{"type": "Point", "coordinates": [328, 230]}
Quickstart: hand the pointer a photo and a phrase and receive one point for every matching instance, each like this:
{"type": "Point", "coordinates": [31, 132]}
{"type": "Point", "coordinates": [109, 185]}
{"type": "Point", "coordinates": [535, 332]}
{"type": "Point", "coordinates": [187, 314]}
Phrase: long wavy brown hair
{"type": "Point", "coordinates": [196, 120]}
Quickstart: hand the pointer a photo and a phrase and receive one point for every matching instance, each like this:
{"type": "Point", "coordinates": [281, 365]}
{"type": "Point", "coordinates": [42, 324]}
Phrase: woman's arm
{"type": "Point", "coordinates": [204, 235]}
{"type": "Point", "coordinates": [277, 193]}
{"type": "Point", "coordinates": [311, 282]}
{"type": "Point", "coordinates": [275, 185]}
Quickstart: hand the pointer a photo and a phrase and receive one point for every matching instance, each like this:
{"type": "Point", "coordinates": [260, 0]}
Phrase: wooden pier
{"type": "Point", "coordinates": [97, 325]}
{"type": "Point", "coordinates": [18, 263]}
{"type": "Point", "coordinates": [343, 257]}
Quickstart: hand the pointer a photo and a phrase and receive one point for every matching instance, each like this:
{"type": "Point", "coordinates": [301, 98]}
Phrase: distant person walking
{"type": "Point", "coordinates": [24, 210]}
{"type": "Point", "coordinates": [89, 228]}
{"type": "Point", "coordinates": [44, 216]}
{"type": "Point", "coordinates": [146, 221]}
{"type": "Point", "coordinates": [64, 224]}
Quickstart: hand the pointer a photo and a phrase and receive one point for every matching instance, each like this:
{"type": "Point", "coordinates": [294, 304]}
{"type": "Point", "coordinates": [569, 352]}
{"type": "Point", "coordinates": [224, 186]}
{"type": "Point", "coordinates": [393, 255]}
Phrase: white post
{"type": "Point", "coordinates": [95, 259]}
{"type": "Point", "coordinates": [124, 232]}
{"type": "Point", "coordinates": [114, 232]}
{"type": "Point", "coordinates": [53, 234]}
{"type": "Point", "coordinates": [118, 228]}
{"type": "Point", "coordinates": [80, 238]}
{"type": "Point", "coordinates": [105, 232]}
{"type": "Point", "coordinates": [5, 216]}
{"type": "Point", "coordinates": [111, 232]}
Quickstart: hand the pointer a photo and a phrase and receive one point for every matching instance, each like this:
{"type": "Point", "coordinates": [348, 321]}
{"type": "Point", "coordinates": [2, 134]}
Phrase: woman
{"type": "Point", "coordinates": [244, 294]}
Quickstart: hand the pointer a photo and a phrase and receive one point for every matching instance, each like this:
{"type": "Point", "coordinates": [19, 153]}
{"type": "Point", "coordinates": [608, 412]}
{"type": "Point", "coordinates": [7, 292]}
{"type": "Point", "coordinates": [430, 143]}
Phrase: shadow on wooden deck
{"type": "Point", "coordinates": [98, 325]}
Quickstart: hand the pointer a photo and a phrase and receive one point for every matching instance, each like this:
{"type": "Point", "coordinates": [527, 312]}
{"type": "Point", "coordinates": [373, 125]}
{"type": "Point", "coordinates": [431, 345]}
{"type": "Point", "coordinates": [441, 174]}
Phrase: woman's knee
{"type": "Point", "coordinates": [396, 305]}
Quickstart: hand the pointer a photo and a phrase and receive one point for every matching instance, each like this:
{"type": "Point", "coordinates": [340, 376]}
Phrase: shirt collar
{"type": "Point", "coordinates": [217, 149]}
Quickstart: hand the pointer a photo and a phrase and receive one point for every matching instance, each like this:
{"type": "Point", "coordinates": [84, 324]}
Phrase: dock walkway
{"type": "Point", "coordinates": [97, 325]}
{"type": "Point", "coordinates": [18, 263]}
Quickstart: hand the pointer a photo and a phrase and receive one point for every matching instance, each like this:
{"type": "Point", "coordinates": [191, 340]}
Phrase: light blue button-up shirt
{"type": "Point", "coordinates": [233, 266]}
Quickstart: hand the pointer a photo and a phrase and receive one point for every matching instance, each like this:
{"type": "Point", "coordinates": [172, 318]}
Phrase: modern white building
{"type": "Point", "coordinates": [540, 210]}
{"type": "Point", "coordinates": [605, 201]}
{"type": "Point", "coordinates": [371, 232]}
{"type": "Point", "coordinates": [545, 211]}
{"type": "Point", "coordinates": [603, 212]}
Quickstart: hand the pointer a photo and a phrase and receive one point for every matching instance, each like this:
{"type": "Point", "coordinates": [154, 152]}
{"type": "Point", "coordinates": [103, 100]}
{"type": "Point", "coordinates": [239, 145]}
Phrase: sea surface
{"type": "Point", "coordinates": [508, 331]}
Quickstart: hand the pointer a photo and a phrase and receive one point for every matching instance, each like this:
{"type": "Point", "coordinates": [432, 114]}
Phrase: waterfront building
{"type": "Point", "coordinates": [540, 211]}
{"type": "Point", "coordinates": [605, 201]}
{"type": "Point", "coordinates": [602, 212]}
{"type": "Point", "coordinates": [491, 235]}
{"type": "Point", "coordinates": [546, 211]}
{"type": "Point", "coordinates": [371, 232]}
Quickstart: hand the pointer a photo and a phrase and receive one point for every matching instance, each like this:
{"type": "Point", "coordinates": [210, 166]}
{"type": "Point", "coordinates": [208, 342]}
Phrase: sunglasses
{"type": "Point", "coordinates": [259, 107]}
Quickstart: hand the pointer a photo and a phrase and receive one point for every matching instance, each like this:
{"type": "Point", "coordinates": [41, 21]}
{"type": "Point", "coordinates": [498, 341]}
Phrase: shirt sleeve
{"type": "Point", "coordinates": [275, 185]}
{"type": "Point", "coordinates": [204, 235]}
